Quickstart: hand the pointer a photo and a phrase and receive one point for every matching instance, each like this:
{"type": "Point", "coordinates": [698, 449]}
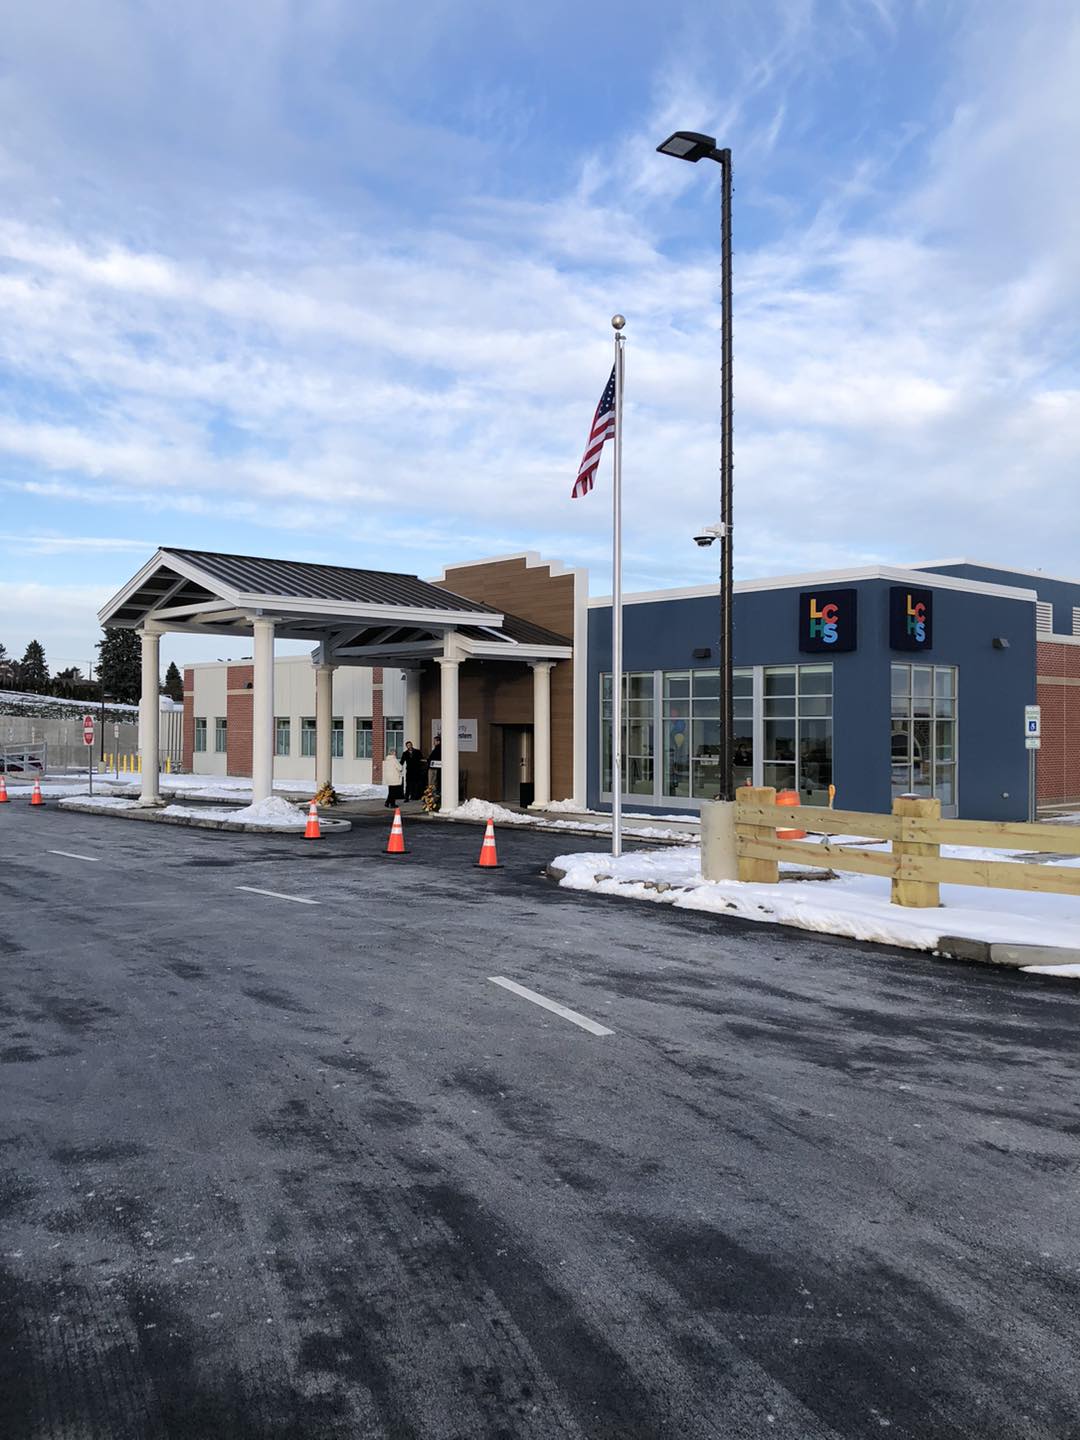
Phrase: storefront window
{"type": "Point", "coordinates": [923, 739]}
{"type": "Point", "coordinates": [638, 742]}
{"type": "Point", "coordinates": [798, 730]}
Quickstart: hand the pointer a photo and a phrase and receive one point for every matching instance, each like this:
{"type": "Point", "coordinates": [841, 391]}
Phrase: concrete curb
{"type": "Point", "coordinates": [652, 841]}
{"type": "Point", "coordinates": [995, 952]}
{"type": "Point", "coordinates": [156, 817]}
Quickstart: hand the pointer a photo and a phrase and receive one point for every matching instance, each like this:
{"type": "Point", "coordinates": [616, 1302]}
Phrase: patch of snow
{"type": "Point", "coordinates": [100, 802]}
{"type": "Point", "coordinates": [857, 906]}
{"type": "Point", "coordinates": [484, 810]}
{"type": "Point", "coordinates": [567, 807]}
{"type": "Point", "coordinates": [1066, 972]}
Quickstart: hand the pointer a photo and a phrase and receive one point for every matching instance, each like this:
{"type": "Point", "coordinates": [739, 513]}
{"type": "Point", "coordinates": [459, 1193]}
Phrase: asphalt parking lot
{"type": "Point", "coordinates": [271, 1168]}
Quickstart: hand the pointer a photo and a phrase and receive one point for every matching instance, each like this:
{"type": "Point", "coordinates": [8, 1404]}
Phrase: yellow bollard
{"type": "Point", "coordinates": [140, 764]}
{"type": "Point", "coordinates": [168, 764]}
{"type": "Point", "coordinates": [123, 764]}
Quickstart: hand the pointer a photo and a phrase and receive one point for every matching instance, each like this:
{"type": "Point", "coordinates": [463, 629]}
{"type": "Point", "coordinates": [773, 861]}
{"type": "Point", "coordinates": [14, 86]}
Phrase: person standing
{"type": "Point", "coordinates": [412, 763]}
{"type": "Point", "coordinates": [391, 770]}
{"type": "Point", "coordinates": [435, 766]}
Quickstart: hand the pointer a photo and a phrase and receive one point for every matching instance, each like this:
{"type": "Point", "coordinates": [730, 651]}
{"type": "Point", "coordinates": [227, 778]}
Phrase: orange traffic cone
{"type": "Point", "coordinates": [396, 843]}
{"type": "Point", "coordinates": [311, 829]}
{"type": "Point", "coordinates": [489, 856]}
{"type": "Point", "coordinates": [3, 791]}
{"type": "Point", "coordinates": [35, 798]}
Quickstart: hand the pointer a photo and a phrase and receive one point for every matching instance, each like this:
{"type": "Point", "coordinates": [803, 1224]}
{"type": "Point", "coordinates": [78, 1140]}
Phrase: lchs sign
{"type": "Point", "coordinates": [911, 618]}
{"type": "Point", "coordinates": [828, 620]}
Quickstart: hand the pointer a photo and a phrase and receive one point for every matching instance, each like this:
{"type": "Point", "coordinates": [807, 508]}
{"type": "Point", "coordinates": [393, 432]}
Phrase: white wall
{"type": "Point", "coordinates": [211, 692]}
{"type": "Point", "coordinates": [294, 696]}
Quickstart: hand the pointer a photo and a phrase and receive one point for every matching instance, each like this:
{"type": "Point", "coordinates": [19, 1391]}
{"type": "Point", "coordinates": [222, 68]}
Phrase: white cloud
{"type": "Point", "coordinates": [905, 354]}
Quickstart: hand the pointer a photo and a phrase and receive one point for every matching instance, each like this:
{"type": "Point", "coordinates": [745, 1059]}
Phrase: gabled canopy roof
{"type": "Point", "coordinates": [373, 616]}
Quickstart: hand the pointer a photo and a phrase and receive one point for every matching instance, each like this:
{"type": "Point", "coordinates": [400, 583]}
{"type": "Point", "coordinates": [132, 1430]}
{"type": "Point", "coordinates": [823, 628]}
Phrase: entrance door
{"type": "Point", "coordinates": [517, 776]}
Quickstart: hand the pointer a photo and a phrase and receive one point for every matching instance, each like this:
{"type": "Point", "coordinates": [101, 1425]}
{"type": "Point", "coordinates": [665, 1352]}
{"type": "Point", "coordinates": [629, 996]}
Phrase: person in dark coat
{"type": "Point", "coordinates": [415, 771]}
{"type": "Point", "coordinates": [435, 766]}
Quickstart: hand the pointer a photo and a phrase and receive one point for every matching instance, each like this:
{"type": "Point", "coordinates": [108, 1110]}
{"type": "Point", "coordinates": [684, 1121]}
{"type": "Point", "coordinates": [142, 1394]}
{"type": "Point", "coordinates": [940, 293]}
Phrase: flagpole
{"type": "Point", "coordinates": [617, 322]}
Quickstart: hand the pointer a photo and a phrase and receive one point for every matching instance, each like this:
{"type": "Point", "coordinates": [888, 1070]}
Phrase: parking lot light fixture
{"type": "Point", "coordinates": [692, 146]}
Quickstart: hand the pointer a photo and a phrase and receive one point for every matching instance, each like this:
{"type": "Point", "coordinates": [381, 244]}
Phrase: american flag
{"type": "Point", "coordinates": [603, 426]}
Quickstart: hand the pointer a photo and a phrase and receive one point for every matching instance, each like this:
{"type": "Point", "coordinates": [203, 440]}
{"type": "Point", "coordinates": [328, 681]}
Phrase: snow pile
{"type": "Point", "coordinates": [857, 906]}
{"type": "Point", "coordinates": [238, 787]}
{"type": "Point", "coordinates": [274, 811]}
{"type": "Point", "coordinates": [567, 807]}
{"type": "Point", "coordinates": [485, 810]}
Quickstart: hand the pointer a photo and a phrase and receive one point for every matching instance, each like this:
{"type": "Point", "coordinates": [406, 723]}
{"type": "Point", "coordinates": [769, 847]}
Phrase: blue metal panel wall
{"type": "Point", "coordinates": [994, 684]}
{"type": "Point", "coordinates": [1062, 594]}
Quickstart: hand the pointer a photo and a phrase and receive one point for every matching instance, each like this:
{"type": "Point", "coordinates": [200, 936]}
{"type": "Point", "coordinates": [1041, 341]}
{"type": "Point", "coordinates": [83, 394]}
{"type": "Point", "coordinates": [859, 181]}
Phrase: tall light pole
{"type": "Point", "coordinates": [688, 145]}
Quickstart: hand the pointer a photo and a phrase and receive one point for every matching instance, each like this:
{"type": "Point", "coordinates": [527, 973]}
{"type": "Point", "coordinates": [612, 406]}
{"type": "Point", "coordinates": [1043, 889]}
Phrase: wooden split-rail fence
{"type": "Point", "coordinates": [914, 862]}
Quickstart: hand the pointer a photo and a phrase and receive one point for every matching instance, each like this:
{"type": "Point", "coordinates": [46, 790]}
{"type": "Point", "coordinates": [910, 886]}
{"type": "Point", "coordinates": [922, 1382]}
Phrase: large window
{"type": "Point", "coordinates": [281, 735]}
{"type": "Point", "coordinates": [221, 734]}
{"type": "Point", "coordinates": [798, 730]}
{"type": "Point", "coordinates": [923, 741]}
{"type": "Point", "coordinates": [394, 734]}
{"type": "Point", "coordinates": [200, 734]}
{"type": "Point", "coordinates": [691, 732]}
{"type": "Point", "coordinates": [638, 729]}
{"type": "Point", "coordinates": [363, 739]}
{"type": "Point", "coordinates": [307, 735]}
{"type": "Point", "coordinates": [337, 737]}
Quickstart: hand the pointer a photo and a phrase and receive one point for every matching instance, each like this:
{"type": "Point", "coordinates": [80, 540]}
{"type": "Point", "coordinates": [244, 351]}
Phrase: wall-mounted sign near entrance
{"type": "Point", "coordinates": [466, 733]}
{"type": "Point", "coordinates": [828, 620]}
{"type": "Point", "coordinates": [911, 618]}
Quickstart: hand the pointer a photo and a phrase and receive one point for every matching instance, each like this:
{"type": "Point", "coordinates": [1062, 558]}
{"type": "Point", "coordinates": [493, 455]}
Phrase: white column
{"type": "Point", "coordinates": [449, 687]}
{"type": "Point", "coordinates": [412, 710]}
{"type": "Point", "coordinates": [542, 731]}
{"type": "Point", "coordinates": [150, 716]}
{"type": "Point", "coordinates": [324, 714]}
{"type": "Point", "coordinates": [262, 713]}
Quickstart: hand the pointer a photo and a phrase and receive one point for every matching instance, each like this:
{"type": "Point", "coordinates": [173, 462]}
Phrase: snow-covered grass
{"type": "Point", "coordinates": [273, 811]}
{"type": "Point", "coordinates": [484, 810]}
{"type": "Point", "coordinates": [567, 807]}
{"type": "Point", "coordinates": [857, 906]}
{"type": "Point", "coordinates": [24, 702]}
{"type": "Point", "coordinates": [235, 787]}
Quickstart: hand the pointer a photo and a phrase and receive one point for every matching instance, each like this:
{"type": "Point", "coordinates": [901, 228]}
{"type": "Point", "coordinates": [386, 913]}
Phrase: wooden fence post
{"type": "Point", "coordinates": [758, 872]}
{"type": "Point", "coordinates": [923, 893]}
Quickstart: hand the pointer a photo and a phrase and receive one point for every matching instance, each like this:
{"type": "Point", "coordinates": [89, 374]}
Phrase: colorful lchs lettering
{"type": "Point", "coordinates": [823, 622]}
{"type": "Point", "coordinates": [916, 620]}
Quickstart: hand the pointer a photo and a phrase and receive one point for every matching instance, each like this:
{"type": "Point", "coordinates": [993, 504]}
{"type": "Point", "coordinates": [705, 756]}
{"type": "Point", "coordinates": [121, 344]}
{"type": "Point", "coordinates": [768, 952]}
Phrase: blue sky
{"type": "Point", "coordinates": [333, 280]}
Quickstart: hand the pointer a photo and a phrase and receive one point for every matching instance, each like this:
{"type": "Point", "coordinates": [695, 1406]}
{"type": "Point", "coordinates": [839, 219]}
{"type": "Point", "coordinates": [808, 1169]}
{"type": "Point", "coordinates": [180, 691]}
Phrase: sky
{"type": "Point", "coordinates": [333, 279]}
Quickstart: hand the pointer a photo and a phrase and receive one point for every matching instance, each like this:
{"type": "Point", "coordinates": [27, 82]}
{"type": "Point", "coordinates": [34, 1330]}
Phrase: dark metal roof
{"type": "Point", "coordinates": [524, 632]}
{"type": "Point", "coordinates": [294, 579]}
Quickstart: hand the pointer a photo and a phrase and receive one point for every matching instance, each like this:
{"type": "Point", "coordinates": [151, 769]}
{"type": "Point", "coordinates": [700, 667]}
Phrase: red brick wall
{"type": "Point", "coordinates": [1058, 761]}
{"type": "Point", "coordinates": [189, 719]}
{"type": "Point", "coordinates": [377, 742]}
{"type": "Point", "coordinates": [239, 709]}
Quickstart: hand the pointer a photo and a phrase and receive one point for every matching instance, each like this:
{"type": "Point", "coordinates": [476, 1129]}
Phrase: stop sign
{"type": "Point", "coordinates": [88, 729]}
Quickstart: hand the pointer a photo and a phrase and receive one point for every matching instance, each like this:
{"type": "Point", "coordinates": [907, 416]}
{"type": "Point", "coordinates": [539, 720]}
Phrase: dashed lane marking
{"type": "Point", "coordinates": [552, 1005]}
{"type": "Point", "coordinates": [277, 895]}
{"type": "Point", "coordinates": [70, 855]}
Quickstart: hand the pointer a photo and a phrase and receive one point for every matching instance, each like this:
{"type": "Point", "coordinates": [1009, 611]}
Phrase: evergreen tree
{"type": "Point", "coordinates": [174, 682]}
{"type": "Point", "coordinates": [33, 671]}
{"type": "Point", "coordinates": [120, 665]}
{"type": "Point", "coordinates": [3, 653]}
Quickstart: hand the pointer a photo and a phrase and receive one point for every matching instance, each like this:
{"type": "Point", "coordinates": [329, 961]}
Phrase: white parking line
{"type": "Point", "coordinates": [70, 855]}
{"type": "Point", "coordinates": [277, 895]}
{"type": "Point", "coordinates": [552, 1005]}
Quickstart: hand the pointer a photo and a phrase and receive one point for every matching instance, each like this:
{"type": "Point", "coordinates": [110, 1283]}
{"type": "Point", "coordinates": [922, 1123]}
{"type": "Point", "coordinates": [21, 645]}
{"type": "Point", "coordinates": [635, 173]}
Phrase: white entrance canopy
{"type": "Point", "coordinates": [352, 617]}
